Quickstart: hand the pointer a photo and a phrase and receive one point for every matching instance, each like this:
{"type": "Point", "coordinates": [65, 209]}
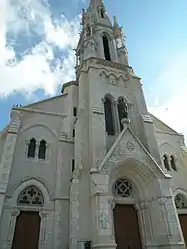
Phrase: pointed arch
{"type": "Point", "coordinates": [109, 117]}
{"type": "Point", "coordinates": [31, 148]}
{"type": "Point", "coordinates": [42, 150]}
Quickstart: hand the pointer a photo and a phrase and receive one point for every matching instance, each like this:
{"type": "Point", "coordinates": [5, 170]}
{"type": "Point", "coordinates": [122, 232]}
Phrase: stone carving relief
{"type": "Point", "coordinates": [104, 221]}
{"type": "Point", "coordinates": [113, 78]}
{"type": "Point", "coordinates": [180, 201]}
{"type": "Point", "coordinates": [130, 146]}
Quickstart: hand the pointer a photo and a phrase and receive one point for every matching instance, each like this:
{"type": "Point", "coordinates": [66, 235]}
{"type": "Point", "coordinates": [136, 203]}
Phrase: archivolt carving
{"type": "Point", "coordinates": [114, 78]}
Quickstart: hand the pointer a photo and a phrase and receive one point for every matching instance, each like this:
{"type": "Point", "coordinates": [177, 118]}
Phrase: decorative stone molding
{"type": "Point", "coordinates": [104, 221]}
{"type": "Point", "coordinates": [65, 137]}
{"type": "Point", "coordinates": [111, 64]}
{"type": "Point", "coordinates": [114, 78]}
{"type": "Point", "coordinates": [147, 119]}
{"type": "Point", "coordinates": [98, 110]}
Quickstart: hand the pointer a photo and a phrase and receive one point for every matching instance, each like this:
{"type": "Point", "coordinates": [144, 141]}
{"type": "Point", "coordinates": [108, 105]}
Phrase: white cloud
{"type": "Point", "coordinates": [171, 94]}
{"type": "Point", "coordinates": [34, 70]}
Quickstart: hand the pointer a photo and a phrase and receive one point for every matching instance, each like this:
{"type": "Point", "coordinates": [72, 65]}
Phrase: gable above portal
{"type": "Point", "coordinates": [128, 146]}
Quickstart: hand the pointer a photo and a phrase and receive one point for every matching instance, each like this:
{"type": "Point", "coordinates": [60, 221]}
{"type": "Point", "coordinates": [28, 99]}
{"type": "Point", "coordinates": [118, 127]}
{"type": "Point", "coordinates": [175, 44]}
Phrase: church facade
{"type": "Point", "coordinates": [92, 168]}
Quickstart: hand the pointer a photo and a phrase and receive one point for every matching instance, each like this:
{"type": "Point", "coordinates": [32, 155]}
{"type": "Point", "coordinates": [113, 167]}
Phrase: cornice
{"type": "Point", "coordinates": [39, 112]}
{"type": "Point", "coordinates": [169, 133]}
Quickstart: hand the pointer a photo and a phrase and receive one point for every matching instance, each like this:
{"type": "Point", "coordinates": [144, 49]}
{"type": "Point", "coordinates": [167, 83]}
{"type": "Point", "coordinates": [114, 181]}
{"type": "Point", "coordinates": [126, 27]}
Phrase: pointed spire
{"type": "Point", "coordinates": [116, 25]}
{"type": "Point", "coordinates": [95, 3]}
{"type": "Point", "coordinates": [83, 16]}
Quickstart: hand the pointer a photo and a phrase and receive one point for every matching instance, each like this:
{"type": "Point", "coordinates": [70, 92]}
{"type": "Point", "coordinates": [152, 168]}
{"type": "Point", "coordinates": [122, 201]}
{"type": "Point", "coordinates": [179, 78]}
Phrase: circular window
{"type": "Point", "coordinates": [122, 188]}
{"type": "Point", "coordinates": [180, 201]}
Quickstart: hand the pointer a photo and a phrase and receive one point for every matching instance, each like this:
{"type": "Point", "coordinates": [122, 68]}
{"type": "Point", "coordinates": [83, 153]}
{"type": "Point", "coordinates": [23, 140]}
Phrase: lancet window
{"type": "Point", "coordinates": [106, 48]}
{"type": "Point", "coordinates": [31, 148]}
{"type": "Point", "coordinates": [42, 150]}
{"type": "Point", "coordinates": [109, 120]}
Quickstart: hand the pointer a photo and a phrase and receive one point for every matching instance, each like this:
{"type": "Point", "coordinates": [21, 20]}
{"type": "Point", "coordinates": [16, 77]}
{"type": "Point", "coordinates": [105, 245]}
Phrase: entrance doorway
{"type": "Point", "coordinates": [27, 230]}
{"type": "Point", "coordinates": [126, 227]}
{"type": "Point", "coordinates": [183, 223]}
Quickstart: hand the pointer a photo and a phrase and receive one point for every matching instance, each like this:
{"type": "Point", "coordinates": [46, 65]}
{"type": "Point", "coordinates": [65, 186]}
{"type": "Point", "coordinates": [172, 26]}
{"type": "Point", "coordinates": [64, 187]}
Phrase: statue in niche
{"type": "Point", "coordinates": [122, 110]}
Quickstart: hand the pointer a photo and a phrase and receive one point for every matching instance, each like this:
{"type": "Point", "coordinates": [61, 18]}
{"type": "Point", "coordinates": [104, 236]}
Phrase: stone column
{"type": "Point", "coordinates": [7, 156]}
{"type": "Point", "coordinates": [42, 240]}
{"type": "Point", "coordinates": [145, 224]}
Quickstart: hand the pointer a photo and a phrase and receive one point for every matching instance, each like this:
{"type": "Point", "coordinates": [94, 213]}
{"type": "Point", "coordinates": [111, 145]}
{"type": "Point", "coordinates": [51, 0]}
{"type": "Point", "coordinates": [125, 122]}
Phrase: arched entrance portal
{"type": "Point", "coordinates": [126, 225]}
{"type": "Point", "coordinates": [27, 229]}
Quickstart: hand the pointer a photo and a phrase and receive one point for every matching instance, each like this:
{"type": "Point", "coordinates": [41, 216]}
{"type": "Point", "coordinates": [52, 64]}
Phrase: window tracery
{"type": "Point", "coordinates": [31, 196]}
{"type": "Point", "coordinates": [123, 188]}
{"type": "Point", "coordinates": [180, 201]}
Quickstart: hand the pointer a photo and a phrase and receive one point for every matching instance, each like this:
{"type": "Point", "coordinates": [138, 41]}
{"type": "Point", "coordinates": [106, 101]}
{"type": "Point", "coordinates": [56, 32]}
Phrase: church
{"type": "Point", "coordinates": [92, 168]}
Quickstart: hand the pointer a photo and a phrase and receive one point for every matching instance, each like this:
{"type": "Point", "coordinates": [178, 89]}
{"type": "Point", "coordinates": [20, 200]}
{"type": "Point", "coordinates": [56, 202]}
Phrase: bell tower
{"type": "Point", "coordinates": [99, 37]}
{"type": "Point", "coordinates": [114, 137]}
{"type": "Point", "coordinates": [108, 86]}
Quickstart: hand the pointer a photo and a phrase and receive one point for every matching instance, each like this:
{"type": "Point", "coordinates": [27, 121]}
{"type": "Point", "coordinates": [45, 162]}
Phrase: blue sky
{"type": "Point", "coordinates": [36, 51]}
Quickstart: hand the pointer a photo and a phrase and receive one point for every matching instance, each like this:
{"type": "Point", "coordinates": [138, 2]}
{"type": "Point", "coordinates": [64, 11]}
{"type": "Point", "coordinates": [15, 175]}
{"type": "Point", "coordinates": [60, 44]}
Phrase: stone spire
{"type": "Point", "coordinates": [98, 12]}
{"type": "Point", "coordinates": [94, 4]}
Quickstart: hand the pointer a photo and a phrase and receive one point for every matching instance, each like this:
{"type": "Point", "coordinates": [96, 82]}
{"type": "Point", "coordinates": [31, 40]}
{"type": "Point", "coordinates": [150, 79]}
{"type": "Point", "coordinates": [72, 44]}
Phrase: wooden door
{"type": "Point", "coordinates": [183, 222]}
{"type": "Point", "coordinates": [27, 230]}
{"type": "Point", "coordinates": [126, 227]}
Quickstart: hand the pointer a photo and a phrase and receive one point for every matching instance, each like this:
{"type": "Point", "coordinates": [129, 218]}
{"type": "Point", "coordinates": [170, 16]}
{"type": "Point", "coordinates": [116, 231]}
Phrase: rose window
{"type": "Point", "coordinates": [180, 201]}
{"type": "Point", "coordinates": [123, 188]}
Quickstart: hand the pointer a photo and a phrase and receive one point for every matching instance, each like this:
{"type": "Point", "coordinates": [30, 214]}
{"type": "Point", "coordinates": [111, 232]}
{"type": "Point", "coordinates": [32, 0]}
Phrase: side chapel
{"type": "Point", "coordinates": [92, 168]}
